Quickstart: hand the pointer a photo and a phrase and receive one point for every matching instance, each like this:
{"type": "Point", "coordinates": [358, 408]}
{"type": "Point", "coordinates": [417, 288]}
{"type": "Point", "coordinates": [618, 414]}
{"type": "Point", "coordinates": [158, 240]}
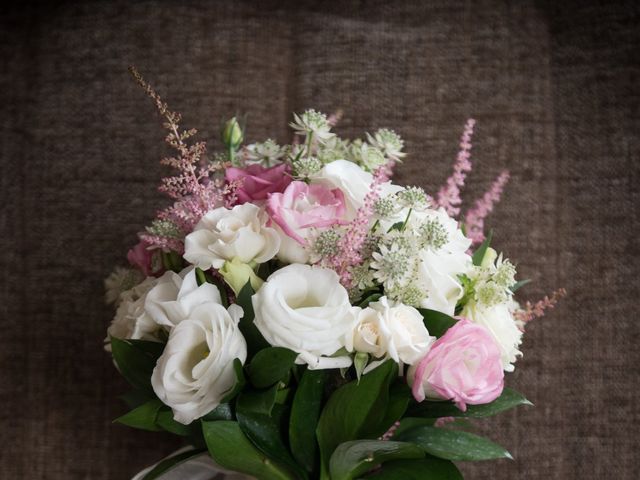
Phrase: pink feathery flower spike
{"type": "Point", "coordinates": [537, 310]}
{"type": "Point", "coordinates": [474, 218]}
{"type": "Point", "coordinates": [449, 194]}
{"type": "Point", "coordinates": [350, 247]}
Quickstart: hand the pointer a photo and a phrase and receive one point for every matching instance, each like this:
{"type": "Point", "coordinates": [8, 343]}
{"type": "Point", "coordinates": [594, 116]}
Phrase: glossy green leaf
{"type": "Point", "coordinates": [399, 396]}
{"type": "Point", "coordinates": [452, 444]}
{"type": "Point", "coordinates": [221, 412]}
{"type": "Point", "coordinates": [305, 411]}
{"type": "Point", "coordinates": [165, 421]}
{"type": "Point", "coordinates": [171, 462]}
{"type": "Point", "coordinates": [429, 468]}
{"type": "Point", "coordinates": [478, 256]}
{"type": "Point", "coordinates": [142, 417]}
{"type": "Point", "coordinates": [353, 411]}
{"type": "Point", "coordinates": [231, 449]}
{"type": "Point", "coordinates": [254, 414]}
{"type": "Point", "coordinates": [507, 400]}
{"type": "Point", "coordinates": [135, 398]}
{"type": "Point", "coordinates": [357, 457]}
{"type": "Point", "coordinates": [255, 340]}
{"type": "Point", "coordinates": [437, 323]}
{"type": "Point", "coordinates": [270, 365]}
{"type": "Point", "coordinates": [136, 360]}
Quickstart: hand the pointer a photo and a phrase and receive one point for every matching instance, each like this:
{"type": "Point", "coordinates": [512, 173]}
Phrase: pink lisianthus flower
{"type": "Point", "coordinates": [299, 210]}
{"type": "Point", "coordinates": [257, 182]}
{"type": "Point", "coordinates": [463, 365]}
{"type": "Point", "coordinates": [142, 258]}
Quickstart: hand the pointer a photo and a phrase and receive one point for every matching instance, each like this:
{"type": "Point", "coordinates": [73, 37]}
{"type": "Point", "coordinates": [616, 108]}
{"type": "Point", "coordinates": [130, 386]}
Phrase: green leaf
{"type": "Point", "coordinates": [240, 381]}
{"type": "Point", "coordinates": [478, 256]}
{"type": "Point", "coordinates": [374, 297]}
{"type": "Point", "coordinates": [142, 417]}
{"type": "Point", "coordinates": [200, 276]}
{"type": "Point", "coordinates": [355, 458]}
{"type": "Point", "coordinates": [171, 462]}
{"type": "Point", "coordinates": [429, 468]}
{"type": "Point", "coordinates": [437, 322]}
{"type": "Point", "coordinates": [136, 360]}
{"type": "Point", "coordinates": [165, 421]}
{"type": "Point", "coordinates": [353, 411]}
{"type": "Point", "coordinates": [399, 396]}
{"type": "Point", "coordinates": [270, 365]}
{"type": "Point", "coordinates": [221, 412]}
{"type": "Point", "coordinates": [305, 411]}
{"type": "Point", "coordinates": [255, 340]}
{"type": "Point", "coordinates": [506, 401]}
{"type": "Point", "coordinates": [135, 398]}
{"type": "Point", "coordinates": [452, 444]}
{"type": "Point", "coordinates": [518, 285]}
{"type": "Point", "coordinates": [253, 411]}
{"type": "Point", "coordinates": [231, 449]}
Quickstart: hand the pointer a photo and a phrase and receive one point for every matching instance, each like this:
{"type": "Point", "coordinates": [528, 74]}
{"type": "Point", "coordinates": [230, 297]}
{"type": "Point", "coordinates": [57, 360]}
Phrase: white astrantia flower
{"type": "Point", "coordinates": [354, 182]}
{"type": "Point", "coordinates": [365, 155]}
{"type": "Point", "coordinates": [502, 325]}
{"type": "Point", "coordinates": [389, 142]}
{"type": "Point", "coordinates": [312, 123]}
{"type": "Point", "coordinates": [307, 310]}
{"type": "Point", "coordinates": [131, 320]}
{"type": "Point", "coordinates": [195, 371]}
{"type": "Point", "coordinates": [175, 296]}
{"type": "Point", "coordinates": [267, 153]}
{"type": "Point", "coordinates": [224, 234]}
{"type": "Point", "coordinates": [386, 329]}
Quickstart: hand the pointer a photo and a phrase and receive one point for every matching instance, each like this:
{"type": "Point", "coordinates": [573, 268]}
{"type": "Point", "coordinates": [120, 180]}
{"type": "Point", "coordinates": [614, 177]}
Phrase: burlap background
{"type": "Point", "coordinates": [554, 90]}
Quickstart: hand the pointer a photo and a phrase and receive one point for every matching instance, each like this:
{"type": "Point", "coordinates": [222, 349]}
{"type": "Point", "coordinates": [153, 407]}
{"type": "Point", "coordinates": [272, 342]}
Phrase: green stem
{"type": "Point", "coordinates": [406, 220]}
{"type": "Point", "coordinates": [309, 140]}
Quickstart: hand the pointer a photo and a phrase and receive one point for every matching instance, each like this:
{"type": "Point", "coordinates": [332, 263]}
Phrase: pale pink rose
{"type": "Point", "coordinates": [143, 259]}
{"type": "Point", "coordinates": [463, 365]}
{"type": "Point", "coordinates": [299, 210]}
{"type": "Point", "coordinates": [257, 182]}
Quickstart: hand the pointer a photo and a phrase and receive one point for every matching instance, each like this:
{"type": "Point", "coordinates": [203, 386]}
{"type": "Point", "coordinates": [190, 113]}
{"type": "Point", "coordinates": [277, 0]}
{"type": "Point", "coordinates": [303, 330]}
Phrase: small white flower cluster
{"type": "Point", "coordinates": [321, 147]}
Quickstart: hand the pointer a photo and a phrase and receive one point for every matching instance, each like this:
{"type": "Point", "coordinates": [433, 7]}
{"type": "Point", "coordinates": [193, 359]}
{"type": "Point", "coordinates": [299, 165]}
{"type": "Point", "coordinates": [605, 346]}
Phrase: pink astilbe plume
{"type": "Point", "coordinates": [350, 246]}
{"type": "Point", "coordinates": [474, 218]}
{"type": "Point", "coordinates": [194, 189]}
{"type": "Point", "coordinates": [449, 194]}
{"type": "Point", "coordinates": [538, 309]}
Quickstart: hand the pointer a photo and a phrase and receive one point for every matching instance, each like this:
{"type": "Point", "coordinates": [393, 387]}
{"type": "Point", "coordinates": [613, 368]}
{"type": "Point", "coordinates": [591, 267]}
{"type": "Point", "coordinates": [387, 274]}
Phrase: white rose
{"type": "Point", "coordinates": [395, 331]}
{"type": "Point", "coordinates": [354, 182]}
{"type": "Point", "coordinates": [131, 319]}
{"type": "Point", "coordinates": [176, 295]}
{"type": "Point", "coordinates": [305, 309]}
{"type": "Point", "coordinates": [224, 234]}
{"type": "Point", "coordinates": [499, 321]}
{"type": "Point", "coordinates": [195, 371]}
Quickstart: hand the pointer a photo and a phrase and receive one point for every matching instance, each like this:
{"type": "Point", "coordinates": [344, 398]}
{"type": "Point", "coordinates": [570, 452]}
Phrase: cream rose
{"type": "Point", "coordinates": [501, 324]}
{"type": "Point", "coordinates": [175, 296]}
{"type": "Point", "coordinates": [195, 370]}
{"type": "Point", "coordinates": [305, 309]}
{"type": "Point", "coordinates": [396, 331]}
{"type": "Point", "coordinates": [131, 319]}
{"type": "Point", "coordinates": [225, 234]}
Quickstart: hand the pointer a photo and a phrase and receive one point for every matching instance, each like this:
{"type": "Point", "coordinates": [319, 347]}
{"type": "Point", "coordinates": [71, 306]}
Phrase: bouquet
{"type": "Point", "coordinates": [294, 314]}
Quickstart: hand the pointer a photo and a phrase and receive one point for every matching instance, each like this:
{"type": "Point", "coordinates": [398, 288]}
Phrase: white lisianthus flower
{"type": "Point", "coordinates": [389, 330]}
{"type": "Point", "coordinates": [131, 320]}
{"type": "Point", "coordinates": [307, 310]}
{"type": "Point", "coordinates": [354, 182]}
{"type": "Point", "coordinates": [225, 234]}
{"type": "Point", "coordinates": [175, 296]}
{"type": "Point", "coordinates": [500, 322]}
{"type": "Point", "coordinates": [195, 371]}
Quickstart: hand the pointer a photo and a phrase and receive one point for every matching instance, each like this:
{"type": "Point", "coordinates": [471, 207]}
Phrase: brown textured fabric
{"type": "Point", "coordinates": [554, 90]}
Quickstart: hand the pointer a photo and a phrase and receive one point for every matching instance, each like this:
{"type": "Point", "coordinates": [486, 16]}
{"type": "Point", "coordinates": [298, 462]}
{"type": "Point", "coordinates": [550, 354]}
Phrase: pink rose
{"type": "Point", "coordinates": [299, 209]}
{"type": "Point", "coordinates": [257, 182]}
{"type": "Point", "coordinates": [143, 259]}
{"type": "Point", "coordinates": [463, 365]}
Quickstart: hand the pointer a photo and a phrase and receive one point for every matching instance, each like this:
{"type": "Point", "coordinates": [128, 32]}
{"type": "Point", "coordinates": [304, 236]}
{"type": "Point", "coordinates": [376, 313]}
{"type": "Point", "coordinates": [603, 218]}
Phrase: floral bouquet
{"type": "Point", "coordinates": [296, 315]}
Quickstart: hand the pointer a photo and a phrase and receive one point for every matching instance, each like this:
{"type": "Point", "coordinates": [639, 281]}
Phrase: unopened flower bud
{"type": "Point", "coordinates": [237, 274]}
{"type": "Point", "coordinates": [232, 133]}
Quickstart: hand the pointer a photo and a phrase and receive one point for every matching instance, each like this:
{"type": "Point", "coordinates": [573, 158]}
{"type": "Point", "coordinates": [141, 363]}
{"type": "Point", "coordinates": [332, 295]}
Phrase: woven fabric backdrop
{"type": "Point", "coordinates": [555, 93]}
